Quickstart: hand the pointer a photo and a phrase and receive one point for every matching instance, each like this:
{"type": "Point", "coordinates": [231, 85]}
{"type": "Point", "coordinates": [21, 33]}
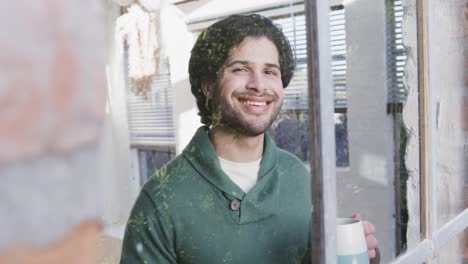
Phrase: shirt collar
{"type": "Point", "coordinates": [202, 155]}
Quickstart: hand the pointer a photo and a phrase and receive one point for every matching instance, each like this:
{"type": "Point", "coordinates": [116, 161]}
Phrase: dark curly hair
{"type": "Point", "coordinates": [213, 45]}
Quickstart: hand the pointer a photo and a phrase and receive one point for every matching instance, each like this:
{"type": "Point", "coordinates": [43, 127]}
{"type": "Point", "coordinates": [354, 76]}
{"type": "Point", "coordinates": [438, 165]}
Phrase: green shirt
{"type": "Point", "coordinates": [191, 212]}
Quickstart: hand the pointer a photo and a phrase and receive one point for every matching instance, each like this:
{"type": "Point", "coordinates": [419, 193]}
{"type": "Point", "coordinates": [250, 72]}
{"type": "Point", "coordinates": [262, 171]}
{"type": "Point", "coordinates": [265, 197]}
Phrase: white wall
{"type": "Point", "coordinates": [119, 185]}
{"type": "Point", "coordinates": [447, 42]}
{"type": "Point", "coordinates": [177, 42]}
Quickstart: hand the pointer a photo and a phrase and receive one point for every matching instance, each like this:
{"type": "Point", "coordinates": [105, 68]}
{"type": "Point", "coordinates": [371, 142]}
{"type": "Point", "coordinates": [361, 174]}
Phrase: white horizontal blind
{"type": "Point", "coordinates": [294, 27]}
{"type": "Point", "coordinates": [291, 19]}
{"type": "Point", "coordinates": [150, 117]}
{"type": "Point", "coordinates": [338, 53]}
{"type": "Point", "coordinates": [397, 62]}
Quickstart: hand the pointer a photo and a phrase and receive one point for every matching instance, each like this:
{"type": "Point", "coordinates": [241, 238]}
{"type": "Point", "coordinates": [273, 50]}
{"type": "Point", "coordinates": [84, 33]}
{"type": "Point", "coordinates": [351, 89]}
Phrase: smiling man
{"type": "Point", "coordinates": [232, 196]}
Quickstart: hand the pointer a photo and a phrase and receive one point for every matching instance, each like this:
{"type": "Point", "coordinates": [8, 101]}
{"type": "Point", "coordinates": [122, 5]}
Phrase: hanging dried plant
{"type": "Point", "coordinates": [138, 29]}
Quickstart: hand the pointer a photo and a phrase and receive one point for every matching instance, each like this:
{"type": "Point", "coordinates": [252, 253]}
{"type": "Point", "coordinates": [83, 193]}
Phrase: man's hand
{"type": "Point", "coordinates": [371, 240]}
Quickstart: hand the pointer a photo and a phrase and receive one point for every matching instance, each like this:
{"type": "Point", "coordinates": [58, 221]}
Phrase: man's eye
{"type": "Point", "coordinates": [270, 72]}
{"type": "Point", "coordinates": [239, 70]}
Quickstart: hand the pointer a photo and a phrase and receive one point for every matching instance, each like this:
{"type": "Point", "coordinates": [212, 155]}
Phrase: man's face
{"type": "Point", "coordinates": [249, 92]}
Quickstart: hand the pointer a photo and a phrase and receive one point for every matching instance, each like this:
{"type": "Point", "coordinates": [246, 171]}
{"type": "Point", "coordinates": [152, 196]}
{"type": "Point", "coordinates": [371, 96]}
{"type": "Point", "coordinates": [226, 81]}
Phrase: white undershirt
{"type": "Point", "coordinates": [243, 174]}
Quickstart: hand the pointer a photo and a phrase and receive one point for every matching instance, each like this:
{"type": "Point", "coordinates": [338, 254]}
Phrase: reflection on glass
{"type": "Point", "coordinates": [150, 161]}
{"type": "Point", "coordinates": [337, 18]}
{"type": "Point", "coordinates": [290, 130]}
{"type": "Point", "coordinates": [375, 79]}
{"type": "Point", "coordinates": [341, 139]}
{"type": "Point", "coordinates": [291, 134]}
{"type": "Point", "coordinates": [381, 118]}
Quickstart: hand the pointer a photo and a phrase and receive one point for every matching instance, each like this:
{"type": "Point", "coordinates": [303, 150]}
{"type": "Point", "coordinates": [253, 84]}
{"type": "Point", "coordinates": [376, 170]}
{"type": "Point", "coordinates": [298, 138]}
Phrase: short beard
{"type": "Point", "coordinates": [224, 117]}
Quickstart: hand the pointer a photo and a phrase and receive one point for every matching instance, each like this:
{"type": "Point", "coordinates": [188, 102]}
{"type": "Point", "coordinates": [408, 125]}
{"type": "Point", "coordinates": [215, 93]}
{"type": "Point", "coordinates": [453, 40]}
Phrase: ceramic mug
{"type": "Point", "coordinates": [351, 246]}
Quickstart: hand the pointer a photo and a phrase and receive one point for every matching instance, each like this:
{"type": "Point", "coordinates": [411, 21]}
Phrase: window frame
{"type": "Point", "coordinates": [321, 111]}
{"type": "Point", "coordinates": [323, 188]}
{"type": "Point", "coordinates": [433, 238]}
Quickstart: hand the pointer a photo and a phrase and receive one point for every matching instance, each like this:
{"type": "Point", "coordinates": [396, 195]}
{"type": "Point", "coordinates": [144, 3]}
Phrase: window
{"type": "Point", "coordinates": [338, 71]}
{"type": "Point", "coordinates": [151, 160]}
{"type": "Point", "coordinates": [290, 130]}
{"type": "Point", "coordinates": [150, 118]}
{"type": "Point", "coordinates": [434, 94]}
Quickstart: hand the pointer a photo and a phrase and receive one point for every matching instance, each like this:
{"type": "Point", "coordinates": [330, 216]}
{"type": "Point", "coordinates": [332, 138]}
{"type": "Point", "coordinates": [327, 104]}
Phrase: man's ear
{"type": "Point", "coordinates": [207, 88]}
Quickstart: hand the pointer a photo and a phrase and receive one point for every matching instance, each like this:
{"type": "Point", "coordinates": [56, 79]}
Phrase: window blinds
{"type": "Point", "coordinates": [294, 27]}
{"type": "Point", "coordinates": [397, 56]}
{"type": "Point", "coordinates": [338, 53]}
{"type": "Point", "coordinates": [150, 117]}
{"type": "Point", "coordinates": [291, 19]}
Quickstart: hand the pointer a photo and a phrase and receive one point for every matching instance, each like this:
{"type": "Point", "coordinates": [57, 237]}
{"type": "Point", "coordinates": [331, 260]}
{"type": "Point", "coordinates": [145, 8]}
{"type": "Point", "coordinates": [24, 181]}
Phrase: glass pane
{"type": "Point", "coordinates": [405, 112]}
{"type": "Point", "coordinates": [150, 161]}
{"type": "Point", "coordinates": [289, 131]}
{"type": "Point", "coordinates": [341, 138]}
{"type": "Point", "coordinates": [381, 180]}
{"type": "Point", "coordinates": [448, 79]}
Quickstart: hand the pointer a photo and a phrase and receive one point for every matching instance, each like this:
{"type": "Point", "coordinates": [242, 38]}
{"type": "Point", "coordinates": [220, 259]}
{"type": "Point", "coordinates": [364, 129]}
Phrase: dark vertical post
{"type": "Point", "coordinates": [315, 136]}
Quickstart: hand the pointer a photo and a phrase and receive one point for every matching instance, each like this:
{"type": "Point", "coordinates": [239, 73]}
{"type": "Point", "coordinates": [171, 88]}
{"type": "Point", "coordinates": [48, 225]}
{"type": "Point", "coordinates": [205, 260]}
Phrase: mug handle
{"type": "Point", "coordinates": [376, 260]}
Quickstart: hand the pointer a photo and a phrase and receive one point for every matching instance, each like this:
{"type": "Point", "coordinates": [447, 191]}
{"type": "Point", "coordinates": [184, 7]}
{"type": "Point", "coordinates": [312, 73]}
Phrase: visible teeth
{"type": "Point", "coordinates": [254, 103]}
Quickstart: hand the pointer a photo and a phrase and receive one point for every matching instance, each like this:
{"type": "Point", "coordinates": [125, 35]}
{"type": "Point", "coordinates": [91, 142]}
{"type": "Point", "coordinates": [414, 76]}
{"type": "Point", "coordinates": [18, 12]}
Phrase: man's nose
{"type": "Point", "coordinates": [256, 82]}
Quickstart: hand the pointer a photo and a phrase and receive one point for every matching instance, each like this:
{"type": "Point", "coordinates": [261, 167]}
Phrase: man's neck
{"type": "Point", "coordinates": [233, 146]}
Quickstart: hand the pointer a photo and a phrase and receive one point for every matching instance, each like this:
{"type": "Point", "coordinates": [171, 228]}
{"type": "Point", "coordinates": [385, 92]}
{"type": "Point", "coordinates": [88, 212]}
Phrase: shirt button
{"type": "Point", "coordinates": [235, 205]}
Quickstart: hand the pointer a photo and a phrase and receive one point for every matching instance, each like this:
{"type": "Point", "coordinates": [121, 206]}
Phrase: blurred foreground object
{"type": "Point", "coordinates": [77, 248]}
{"type": "Point", "coordinates": [52, 104]}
